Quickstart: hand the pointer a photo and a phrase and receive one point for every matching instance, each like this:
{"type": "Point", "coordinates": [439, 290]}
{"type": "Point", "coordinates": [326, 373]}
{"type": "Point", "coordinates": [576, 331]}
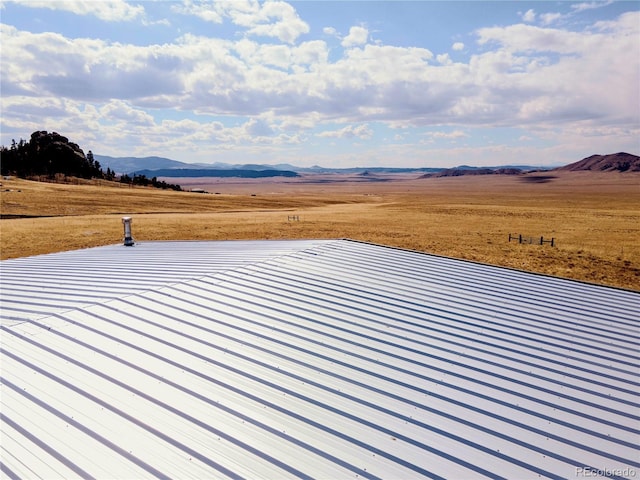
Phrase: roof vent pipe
{"type": "Point", "coordinates": [128, 239]}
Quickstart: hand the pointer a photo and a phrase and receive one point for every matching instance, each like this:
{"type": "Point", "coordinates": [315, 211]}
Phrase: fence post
{"type": "Point", "coordinates": [531, 240]}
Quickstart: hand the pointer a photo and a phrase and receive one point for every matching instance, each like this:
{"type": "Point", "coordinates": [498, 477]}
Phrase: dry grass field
{"type": "Point", "coordinates": [593, 217]}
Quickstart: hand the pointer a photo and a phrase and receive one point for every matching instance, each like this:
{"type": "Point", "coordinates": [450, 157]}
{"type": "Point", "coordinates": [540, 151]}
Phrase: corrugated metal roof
{"type": "Point", "coordinates": [311, 359]}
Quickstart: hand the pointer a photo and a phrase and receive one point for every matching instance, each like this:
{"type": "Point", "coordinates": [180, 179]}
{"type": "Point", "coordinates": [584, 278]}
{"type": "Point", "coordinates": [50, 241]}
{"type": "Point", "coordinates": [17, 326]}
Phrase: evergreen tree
{"type": "Point", "coordinates": [52, 154]}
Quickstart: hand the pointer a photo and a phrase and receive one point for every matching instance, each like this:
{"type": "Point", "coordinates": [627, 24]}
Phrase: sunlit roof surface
{"type": "Point", "coordinates": [311, 359]}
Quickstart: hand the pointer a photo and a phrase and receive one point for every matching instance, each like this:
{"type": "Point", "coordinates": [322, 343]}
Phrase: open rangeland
{"type": "Point", "coordinates": [594, 218]}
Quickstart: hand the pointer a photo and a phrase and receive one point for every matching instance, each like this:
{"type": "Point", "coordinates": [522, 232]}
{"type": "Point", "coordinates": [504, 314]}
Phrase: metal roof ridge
{"type": "Point", "coordinates": [212, 275]}
{"type": "Point", "coordinates": [18, 322]}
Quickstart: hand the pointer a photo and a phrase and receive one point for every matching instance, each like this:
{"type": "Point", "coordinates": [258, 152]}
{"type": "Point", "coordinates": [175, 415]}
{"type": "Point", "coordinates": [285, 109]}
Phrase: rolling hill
{"type": "Point", "coordinates": [615, 162]}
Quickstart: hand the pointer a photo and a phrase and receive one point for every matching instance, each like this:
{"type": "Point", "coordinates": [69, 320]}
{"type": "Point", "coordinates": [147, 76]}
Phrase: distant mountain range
{"type": "Point", "coordinates": [216, 172]}
{"type": "Point", "coordinates": [129, 165]}
{"type": "Point", "coordinates": [165, 167]}
{"type": "Point", "coordinates": [160, 166]}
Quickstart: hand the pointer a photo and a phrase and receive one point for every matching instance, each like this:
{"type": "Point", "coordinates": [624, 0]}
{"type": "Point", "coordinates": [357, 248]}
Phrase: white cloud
{"type": "Point", "coordinates": [330, 31]}
{"type": "Point", "coordinates": [288, 26]}
{"type": "Point", "coordinates": [362, 132]}
{"type": "Point", "coordinates": [448, 135]}
{"type": "Point", "coordinates": [524, 76]}
{"type": "Point", "coordinates": [544, 19]}
{"type": "Point", "coordinates": [315, 53]}
{"type": "Point", "coordinates": [444, 59]}
{"type": "Point", "coordinates": [26, 113]}
{"type": "Point", "coordinates": [357, 36]}
{"type": "Point", "coordinates": [528, 38]}
{"type": "Point", "coordinates": [374, 64]}
{"type": "Point", "coordinates": [119, 111]}
{"type": "Point", "coordinates": [258, 128]}
{"type": "Point", "coordinates": [549, 18]}
{"type": "Point", "coordinates": [118, 128]}
{"type": "Point", "coordinates": [275, 55]}
{"type": "Point", "coordinates": [580, 7]}
{"type": "Point", "coordinates": [275, 19]}
{"type": "Point", "coordinates": [529, 16]}
{"type": "Point", "coordinates": [556, 86]}
{"type": "Point", "coordinates": [457, 46]}
{"type": "Point", "coordinates": [208, 11]}
{"type": "Point", "coordinates": [108, 10]}
{"type": "Point", "coordinates": [284, 57]}
{"type": "Point", "coordinates": [626, 24]}
{"type": "Point", "coordinates": [527, 73]}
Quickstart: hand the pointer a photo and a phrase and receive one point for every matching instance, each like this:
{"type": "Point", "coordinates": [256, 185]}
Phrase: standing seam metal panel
{"type": "Point", "coordinates": [313, 358]}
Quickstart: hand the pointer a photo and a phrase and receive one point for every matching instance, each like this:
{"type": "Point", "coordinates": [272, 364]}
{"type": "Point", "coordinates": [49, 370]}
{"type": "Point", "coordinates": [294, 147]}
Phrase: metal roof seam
{"type": "Point", "coordinates": [556, 406]}
{"type": "Point", "coordinates": [311, 308]}
{"type": "Point", "coordinates": [310, 359]}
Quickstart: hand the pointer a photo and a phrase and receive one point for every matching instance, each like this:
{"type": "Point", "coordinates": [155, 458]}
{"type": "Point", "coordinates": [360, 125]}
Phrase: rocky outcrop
{"type": "Point", "coordinates": [48, 154]}
{"type": "Point", "coordinates": [57, 154]}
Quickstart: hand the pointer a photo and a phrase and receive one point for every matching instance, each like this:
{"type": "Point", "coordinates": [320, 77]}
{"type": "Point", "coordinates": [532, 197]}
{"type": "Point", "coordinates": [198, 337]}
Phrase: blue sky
{"type": "Point", "coordinates": [331, 83]}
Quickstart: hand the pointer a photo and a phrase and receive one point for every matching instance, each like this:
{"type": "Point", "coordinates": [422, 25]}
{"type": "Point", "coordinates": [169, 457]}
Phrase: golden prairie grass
{"type": "Point", "coordinates": [594, 218]}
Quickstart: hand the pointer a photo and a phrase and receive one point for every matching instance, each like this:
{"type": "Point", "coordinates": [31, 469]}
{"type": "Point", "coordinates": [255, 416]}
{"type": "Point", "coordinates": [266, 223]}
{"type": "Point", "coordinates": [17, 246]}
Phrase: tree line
{"type": "Point", "coordinates": [51, 154]}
